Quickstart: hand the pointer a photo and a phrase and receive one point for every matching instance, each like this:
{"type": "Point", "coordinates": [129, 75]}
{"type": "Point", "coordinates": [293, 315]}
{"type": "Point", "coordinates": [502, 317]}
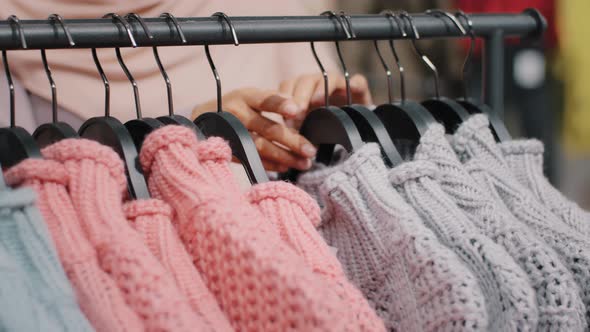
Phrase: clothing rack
{"type": "Point", "coordinates": [104, 33]}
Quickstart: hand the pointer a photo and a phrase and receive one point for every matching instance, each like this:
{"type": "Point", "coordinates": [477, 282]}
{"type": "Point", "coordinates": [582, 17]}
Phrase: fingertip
{"type": "Point", "coordinates": [290, 108]}
{"type": "Point", "coordinates": [308, 150]}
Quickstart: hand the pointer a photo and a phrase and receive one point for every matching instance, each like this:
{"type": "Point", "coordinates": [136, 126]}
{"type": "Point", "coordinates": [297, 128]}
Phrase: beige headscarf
{"type": "Point", "coordinates": [80, 89]}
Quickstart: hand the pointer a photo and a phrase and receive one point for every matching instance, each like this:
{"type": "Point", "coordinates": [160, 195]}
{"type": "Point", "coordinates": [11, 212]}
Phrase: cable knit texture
{"type": "Point", "coordinates": [414, 282]}
{"type": "Point", "coordinates": [96, 185]}
{"type": "Point", "coordinates": [22, 307]}
{"type": "Point", "coordinates": [558, 296]}
{"type": "Point", "coordinates": [99, 297]}
{"type": "Point", "coordinates": [259, 282]}
{"type": "Point", "coordinates": [152, 220]}
{"type": "Point", "coordinates": [26, 239]}
{"type": "Point", "coordinates": [510, 298]}
{"type": "Point", "coordinates": [525, 159]}
{"type": "Point", "coordinates": [475, 145]}
{"type": "Point", "coordinates": [294, 214]}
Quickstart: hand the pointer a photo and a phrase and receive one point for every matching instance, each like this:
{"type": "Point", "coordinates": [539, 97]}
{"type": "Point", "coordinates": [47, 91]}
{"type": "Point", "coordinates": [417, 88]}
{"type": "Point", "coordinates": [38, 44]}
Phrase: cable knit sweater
{"type": "Point", "coordinates": [558, 296]}
{"type": "Point", "coordinates": [99, 298]}
{"type": "Point", "coordinates": [96, 185]}
{"type": "Point", "coordinates": [259, 282]}
{"type": "Point", "coordinates": [525, 159]}
{"type": "Point", "coordinates": [510, 298]}
{"type": "Point", "coordinates": [25, 238]}
{"type": "Point", "coordinates": [414, 282]}
{"type": "Point", "coordinates": [152, 221]}
{"type": "Point", "coordinates": [22, 307]}
{"type": "Point", "coordinates": [294, 215]}
{"type": "Point", "coordinates": [475, 145]}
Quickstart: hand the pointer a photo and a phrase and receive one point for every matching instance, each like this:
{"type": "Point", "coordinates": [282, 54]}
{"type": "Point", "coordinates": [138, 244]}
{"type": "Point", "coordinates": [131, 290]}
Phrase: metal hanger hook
{"type": "Point", "coordinates": [161, 66]}
{"type": "Point", "coordinates": [176, 25]}
{"type": "Point", "coordinates": [122, 63]}
{"type": "Point", "coordinates": [222, 16]}
{"type": "Point", "coordinates": [439, 13]}
{"type": "Point", "coordinates": [422, 56]}
{"type": "Point", "coordinates": [13, 20]}
{"type": "Point", "coordinates": [393, 18]}
{"type": "Point", "coordinates": [142, 23]}
{"type": "Point", "coordinates": [346, 22]}
{"type": "Point", "coordinates": [105, 81]}
{"type": "Point", "coordinates": [467, 62]}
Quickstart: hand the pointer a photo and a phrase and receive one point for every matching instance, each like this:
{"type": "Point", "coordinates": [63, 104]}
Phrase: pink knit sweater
{"type": "Point", "coordinates": [96, 185]}
{"type": "Point", "coordinates": [152, 221]}
{"type": "Point", "coordinates": [294, 216]}
{"type": "Point", "coordinates": [260, 283]}
{"type": "Point", "coordinates": [98, 296]}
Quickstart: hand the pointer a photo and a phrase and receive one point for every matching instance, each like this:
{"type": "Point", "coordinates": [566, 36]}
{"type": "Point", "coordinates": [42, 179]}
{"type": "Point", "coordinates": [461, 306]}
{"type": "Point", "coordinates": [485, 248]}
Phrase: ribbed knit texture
{"type": "Point", "coordinates": [152, 220]}
{"type": "Point", "coordinates": [96, 185]}
{"type": "Point", "coordinates": [22, 308]}
{"type": "Point", "coordinates": [259, 282]}
{"type": "Point", "coordinates": [25, 238]}
{"type": "Point", "coordinates": [414, 282]}
{"type": "Point", "coordinates": [525, 160]}
{"type": "Point", "coordinates": [510, 298]}
{"type": "Point", "coordinates": [294, 215]}
{"type": "Point", "coordinates": [475, 145]}
{"type": "Point", "coordinates": [99, 297]}
{"type": "Point", "coordinates": [558, 296]}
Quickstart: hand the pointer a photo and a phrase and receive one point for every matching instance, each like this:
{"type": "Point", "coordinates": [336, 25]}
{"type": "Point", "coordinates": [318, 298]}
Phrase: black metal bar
{"type": "Point", "coordinates": [493, 84]}
{"type": "Point", "coordinates": [96, 33]}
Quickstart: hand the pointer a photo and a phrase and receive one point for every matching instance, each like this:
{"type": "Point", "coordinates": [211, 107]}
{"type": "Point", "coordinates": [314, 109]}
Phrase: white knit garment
{"type": "Point", "coordinates": [476, 147]}
{"type": "Point", "coordinates": [558, 296]}
{"type": "Point", "coordinates": [510, 298]}
{"type": "Point", "coordinates": [525, 159]}
{"type": "Point", "coordinates": [414, 282]}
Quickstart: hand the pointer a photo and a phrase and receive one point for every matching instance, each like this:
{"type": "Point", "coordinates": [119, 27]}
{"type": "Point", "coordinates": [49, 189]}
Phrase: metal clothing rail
{"type": "Point", "coordinates": [104, 33]}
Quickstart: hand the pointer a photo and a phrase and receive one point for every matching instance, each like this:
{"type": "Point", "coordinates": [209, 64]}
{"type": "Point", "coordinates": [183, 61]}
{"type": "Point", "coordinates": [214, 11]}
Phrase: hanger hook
{"type": "Point", "coordinates": [467, 62]}
{"type": "Point", "coordinates": [392, 17]}
{"type": "Point", "coordinates": [107, 86]}
{"type": "Point", "coordinates": [221, 16]}
{"type": "Point", "coordinates": [122, 63]}
{"type": "Point", "coordinates": [57, 18]}
{"type": "Point", "coordinates": [346, 23]}
{"type": "Point", "coordinates": [422, 56]}
{"type": "Point", "coordinates": [13, 20]}
{"type": "Point", "coordinates": [176, 25]}
{"type": "Point", "coordinates": [439, 13]}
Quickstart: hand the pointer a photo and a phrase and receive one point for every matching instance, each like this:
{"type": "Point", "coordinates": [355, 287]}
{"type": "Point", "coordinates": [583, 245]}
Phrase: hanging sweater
{"type": "Point", "coordinates": [509, 295]}
{"type": "Point", "coordinates": [259, 282]}
{"type": "Point", "coordinates": [476, 147]}
{"type": "Point", "coordinates": [152, 220]}
{"type": "Point", "coordinates": [96, 185]}
{"type": "Point", "coordinates": [558, 296]}
{"type": "Point", "coordinates": [99, 297]}
{"type": "Point", "coordinates": [22, 305]}
{"type": "Point", "coordinates": [294, 216]}
{"type": "Point", "coordinates": [414, 282]}
{"type": "Point", "coordinates": [25, 238]}
{"type": "Point", "coordinates": [525, 160]}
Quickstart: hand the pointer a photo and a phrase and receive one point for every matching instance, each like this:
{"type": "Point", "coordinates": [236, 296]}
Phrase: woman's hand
{"type": "Point", "coordinates": [280, 147]}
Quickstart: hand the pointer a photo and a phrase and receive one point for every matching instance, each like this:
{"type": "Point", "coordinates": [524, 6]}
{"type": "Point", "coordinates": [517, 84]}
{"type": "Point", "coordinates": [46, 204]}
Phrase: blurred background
{"type": "Point", "coordinates": [547, 82]}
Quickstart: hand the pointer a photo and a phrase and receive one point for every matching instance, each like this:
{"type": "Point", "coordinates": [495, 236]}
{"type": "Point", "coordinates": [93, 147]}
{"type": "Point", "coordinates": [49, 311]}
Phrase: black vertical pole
{"type": "Point", "coordinates": [493, 87]}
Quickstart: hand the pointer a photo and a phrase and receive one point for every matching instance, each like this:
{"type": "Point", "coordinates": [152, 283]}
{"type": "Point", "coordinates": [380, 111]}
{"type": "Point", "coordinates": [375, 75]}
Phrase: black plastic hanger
{"type": "Point", "coordinates": [138, 128]}
{"type": "Point", "coordinates": [16, 144]}
{"type": "Point", "coordinates": [49, 133]}
{"type": "Point", "coordinates": [227, 126]}
{"type": "Point", "coordinates": [111, 132]}
{"type": "Point", "coordinates": [368, 123]}
{"type": "Point", "coordinates": [329, 125]}
{"type": "Point", "coordinates": [474, 106]}
{"type": "Point", "coordinates": [405, 120]}
{"type": "Point", "coordinates": [172, 118]}
{"type": "Point", "coordinates": [445, 110]}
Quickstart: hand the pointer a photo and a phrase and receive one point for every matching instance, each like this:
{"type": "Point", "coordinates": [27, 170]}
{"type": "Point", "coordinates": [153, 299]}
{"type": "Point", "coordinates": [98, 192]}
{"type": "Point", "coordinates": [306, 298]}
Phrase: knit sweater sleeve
{"type": "Point", "coordinates": [558, 296]}
{"type": "Point", "coordinates": [525, 160]}
{"type": "Point", "coordinates": [508, 293]}
{"type": "Point", "coordinates": [152, 220]}
{"type": "Point", "coordinates": [96, 185]}
{"type": "Point", "coordinates": [258, 281]}
{"type": "Point", "coordinates": [475, 145]}
{"type": "Point", "coordinates": [98, 296]}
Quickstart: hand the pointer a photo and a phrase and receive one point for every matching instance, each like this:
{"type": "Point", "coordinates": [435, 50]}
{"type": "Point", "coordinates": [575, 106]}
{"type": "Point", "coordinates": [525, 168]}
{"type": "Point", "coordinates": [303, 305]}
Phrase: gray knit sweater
{"type": "Point", "coordinates": [510, 298]}
{"type": "Point", "coordinates": [558, 296]}
{"type": "Point", "coordinates": [525, 159]}
{"type": "Point", "coordinates": [475, 146]}
{"type": "Point", "coordinates": [414, 282]}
